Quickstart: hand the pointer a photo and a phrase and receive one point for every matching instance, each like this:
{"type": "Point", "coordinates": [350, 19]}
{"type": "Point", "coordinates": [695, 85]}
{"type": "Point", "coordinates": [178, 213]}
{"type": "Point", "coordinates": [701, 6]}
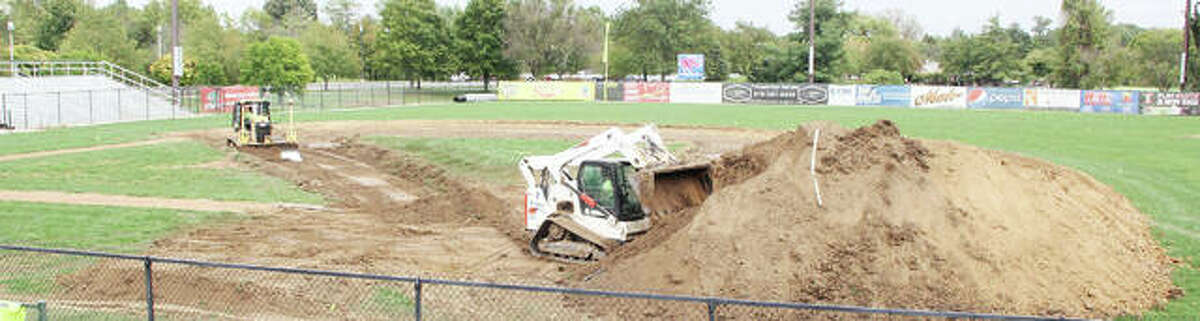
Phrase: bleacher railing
{"type": "Point", "coordinates": [26, 69]}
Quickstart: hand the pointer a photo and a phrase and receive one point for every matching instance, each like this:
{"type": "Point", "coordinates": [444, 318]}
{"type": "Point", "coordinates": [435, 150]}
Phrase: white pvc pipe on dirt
{"type": "Point", "coordinates": [812, 167]}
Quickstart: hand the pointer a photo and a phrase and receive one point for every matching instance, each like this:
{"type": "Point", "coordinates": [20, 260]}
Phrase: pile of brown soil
{"type": "Point", "coordinates": [905, 224]}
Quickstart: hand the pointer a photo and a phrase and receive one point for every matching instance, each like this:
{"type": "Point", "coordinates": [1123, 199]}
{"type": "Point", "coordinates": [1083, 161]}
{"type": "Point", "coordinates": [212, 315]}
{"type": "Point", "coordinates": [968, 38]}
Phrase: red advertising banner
{"type": "Point", "coordinates": [221, 99]}
{"type": "Point", "coordinates": [648, 92]}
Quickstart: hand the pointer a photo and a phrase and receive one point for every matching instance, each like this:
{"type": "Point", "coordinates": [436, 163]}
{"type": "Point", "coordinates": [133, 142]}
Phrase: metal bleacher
{"type": "Point", "coordinates": [52, 94]}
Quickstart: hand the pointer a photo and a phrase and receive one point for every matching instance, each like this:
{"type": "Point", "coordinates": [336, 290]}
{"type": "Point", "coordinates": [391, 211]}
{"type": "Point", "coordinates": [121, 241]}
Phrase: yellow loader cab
{"type": "Point", "coordinates": [253, 128]}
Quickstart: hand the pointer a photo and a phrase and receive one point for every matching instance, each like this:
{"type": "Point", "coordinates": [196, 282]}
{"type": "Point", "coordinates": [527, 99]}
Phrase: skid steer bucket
{"type": "Point", "coordinates": [674, 188]}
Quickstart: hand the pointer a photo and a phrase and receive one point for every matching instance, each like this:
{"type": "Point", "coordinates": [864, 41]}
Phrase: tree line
{"type": "Point", "coordinates": [288, 43]}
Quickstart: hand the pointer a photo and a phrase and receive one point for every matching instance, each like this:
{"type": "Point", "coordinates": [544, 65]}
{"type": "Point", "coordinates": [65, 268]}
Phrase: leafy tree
{"type": "Point", "coordinates": [883, 77]}
{"type": "Point", "coordinates": [195, 72]}
{"type": "Point", "coordinates": [480, 45]}
{"type": "Point", "coordinates": [103, 37]}
{"type": "Point", "coordinates": [280, 9]}
{"type": "Point", "coordinates": [745, 46]}
{"type": "Point", "coordinates": [58, 17]}
{"type": "Point", "coordinates": [552, 35]}
{"type": "Point", "coordinates": [1081, 42]}
{"type": "Point", "coordinates": [1040, 62]}
{"type": "Point", "coordinates": [329, 52]}
{"type": "Point", "coordinates": [278, 65]}
{"type": "Point", "coordinates": [656, 31]}
{"type": "Point", "coordinates": [831, 25]}
{"type": "Point", "coordinates": [990, 58]}
{"type": "Point", "coordinates": [415, 41]}
{"type": "Point", "coordinates": [783, 62]}
{"type": "Point", "coordinates": [342, 14]}
{"type": "Point", "coordinates": [893, 54]}
{"type": "Point", "coordinates": [1157, 57]}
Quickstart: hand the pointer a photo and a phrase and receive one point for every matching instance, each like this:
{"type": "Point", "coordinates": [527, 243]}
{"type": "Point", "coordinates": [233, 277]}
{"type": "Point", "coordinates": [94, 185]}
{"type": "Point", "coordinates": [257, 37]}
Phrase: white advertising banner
{"type": "Point", "coordinates": [842, 95]}
{"type": "Point", "coordinates": [1041, 98]}
{"type": "Point", "coordinates": [939, 97]}
{"type": "Point", "coordinates": [696, 92]}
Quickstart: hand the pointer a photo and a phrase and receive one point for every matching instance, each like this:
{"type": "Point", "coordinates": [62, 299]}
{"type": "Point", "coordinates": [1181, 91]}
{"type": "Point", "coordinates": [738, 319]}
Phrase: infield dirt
{"type": "Point", "coordinates": [905, 224]}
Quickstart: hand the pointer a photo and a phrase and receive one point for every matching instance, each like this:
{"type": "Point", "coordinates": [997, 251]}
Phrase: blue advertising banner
{"type": "Point", "coordinates": [1105, 101]}
{"type": "Point", "coordinates": [980, 97]}
{"type": "Point", "coordinates": [691, 67]}
{"type": "Point", "coordinates": [897, 96]}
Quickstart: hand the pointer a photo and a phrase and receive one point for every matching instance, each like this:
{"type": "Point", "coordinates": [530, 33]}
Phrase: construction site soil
{"type": "Point", "coordinates": [905, 223]}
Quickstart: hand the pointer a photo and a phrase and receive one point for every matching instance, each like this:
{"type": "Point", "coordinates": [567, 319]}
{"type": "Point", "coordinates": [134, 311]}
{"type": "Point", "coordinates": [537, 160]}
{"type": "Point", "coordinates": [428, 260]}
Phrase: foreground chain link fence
{"type": "Point", "coordinates": [58, 284]}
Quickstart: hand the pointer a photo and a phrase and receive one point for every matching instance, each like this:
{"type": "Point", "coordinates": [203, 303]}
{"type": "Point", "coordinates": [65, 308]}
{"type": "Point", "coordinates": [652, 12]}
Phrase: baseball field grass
{"type": "Point", "coordinates": [1154, 161]}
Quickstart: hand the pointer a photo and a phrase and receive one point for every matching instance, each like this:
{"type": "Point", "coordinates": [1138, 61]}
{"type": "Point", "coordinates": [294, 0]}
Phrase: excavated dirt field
{"type": "Point", "coordinates": [905, 223]}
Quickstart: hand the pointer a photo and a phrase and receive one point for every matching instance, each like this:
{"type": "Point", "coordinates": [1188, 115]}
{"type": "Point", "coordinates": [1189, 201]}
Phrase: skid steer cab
{"type": "Point", "coordinates": [253, 127]}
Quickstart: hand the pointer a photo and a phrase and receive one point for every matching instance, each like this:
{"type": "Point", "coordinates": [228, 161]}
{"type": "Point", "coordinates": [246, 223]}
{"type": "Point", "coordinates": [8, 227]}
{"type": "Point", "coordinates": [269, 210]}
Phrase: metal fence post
{"type": "Point", "coordinates": [149, 290]}
{"type": "Point", "coordinates": [388, 85]}
{"type": "Point", "coordinates": [41, 307]}
{"type": "Point", "coordinates": [25, 97]}
{"type": "Point", "coordinates": [91, 116]}
{"type": "Point", "coordinates": [118, 103]}
{"type": "Point", "coordinates": [147, 96]}
{"type": "Point", "coordinates": [417, 300]}
{"type": "Point", "coordinates": [339, 95]}
{"type": "Point", "coordinates": [712, 311]}
{"type": "Point", "coordinates": [59, 93]}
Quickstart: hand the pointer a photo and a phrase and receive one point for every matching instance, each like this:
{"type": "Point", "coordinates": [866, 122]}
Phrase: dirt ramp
{"type": "Point", "coordinates": [905, 223]}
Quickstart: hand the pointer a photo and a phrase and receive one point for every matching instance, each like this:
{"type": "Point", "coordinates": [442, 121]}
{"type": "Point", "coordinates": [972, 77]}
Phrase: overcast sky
{"type": "Point", "coordinates": [939, 17]}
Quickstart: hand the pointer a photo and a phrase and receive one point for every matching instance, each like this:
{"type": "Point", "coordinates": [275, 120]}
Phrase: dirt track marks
{"type": "Point", "coordinates": [6, 158]}
{"type": "Point", "coordinates": [136, 201]}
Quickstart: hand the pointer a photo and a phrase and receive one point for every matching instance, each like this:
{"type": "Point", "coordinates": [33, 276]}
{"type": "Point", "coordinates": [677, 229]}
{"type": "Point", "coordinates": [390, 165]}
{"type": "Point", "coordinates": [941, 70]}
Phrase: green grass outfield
{"type": "Point", "coordinates": [1155, 161]}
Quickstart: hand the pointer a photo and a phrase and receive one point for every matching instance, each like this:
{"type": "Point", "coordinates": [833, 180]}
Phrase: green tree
{"type": "Point", "coordinates": [277, 65]}
{"type": "Point", "coordinates": [1157, 58]}
{"type": "Point", "coordinates": [993, 57]}
{"type": "Point", "coordinates": [57, 18]}
{"type": "Point", "coordinates": [1081, 40]}
{"type": "Point", "coordinates": [329, 52]}
{"type": "Point", "coordinates": [745, 46]}
{"type": "Point", "coordinates": [831, 25]}
{"type": "Point", "coordinates": [893, 54]}
{"type": "Point", "coordinates": [195, 72]}
{"type": "Point", "coordinates": [552, 35]}
{"type": "Point", "coordinates": [415, 41]}
{"type": "Point", "coordinates": [280, 9]}
{"type": "Point", "coordinates": [342, 14]}
{"type": "Point", "coordinates": [105, 38]}
{"type": "Point", "coordinates": [479, 34]}
{"type": "Point", "coordinates": [883, 77]}
{"type": "Point", "coordinates": [656, 31]}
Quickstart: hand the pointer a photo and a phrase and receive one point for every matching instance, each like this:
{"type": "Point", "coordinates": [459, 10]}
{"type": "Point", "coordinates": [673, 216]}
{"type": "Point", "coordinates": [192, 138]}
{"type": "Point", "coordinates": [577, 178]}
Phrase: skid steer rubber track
{"type": "Point", "coordinates": [561, 239]}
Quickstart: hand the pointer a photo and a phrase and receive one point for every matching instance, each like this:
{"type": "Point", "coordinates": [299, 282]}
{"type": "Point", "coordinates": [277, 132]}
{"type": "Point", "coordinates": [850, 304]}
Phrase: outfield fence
{"type": "Point", "coordinates": [85, 285]}
{"type": "Point", "coordinates": [330, 96]}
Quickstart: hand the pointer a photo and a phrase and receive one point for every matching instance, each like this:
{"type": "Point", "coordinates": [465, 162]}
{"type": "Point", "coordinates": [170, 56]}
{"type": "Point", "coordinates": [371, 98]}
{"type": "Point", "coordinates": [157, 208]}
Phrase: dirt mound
{"type": "Point", "coordinates": [905, 223]}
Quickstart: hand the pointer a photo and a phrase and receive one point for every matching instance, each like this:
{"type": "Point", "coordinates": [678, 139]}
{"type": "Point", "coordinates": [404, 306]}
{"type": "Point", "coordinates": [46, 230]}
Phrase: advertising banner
{"type": "Point", "coordinates": [842, 95]}
{"type": "Point", "coordinates": [546, 90]}
{"type": "Point", "coordinates": [1105, 101]}
{"type": "Point", "coordinates": [1158, 99]}
{"type": "Point", "coordinates": [996, 98]}
{"type": "Point", "coordinates": [1042, 98]}
{"type": "Point", "coordinates": [770, 94]}
{"type": "Point", "coordinates": [871, 95]}
{"type": "Point", "coordinates": [939, 97]}
{"type": "Point", "coordinates": [221, 99]}
{"type": "Point", "coordinates": [691, 67]}
{"type": "Point", "coordinates": [610, 91]}
{"type": "Point", "coordinates": [696, 92]}
{"type": "Point", "coordinates": [647, 92]}
{"type": "Point", "coordinates": [811, 94]}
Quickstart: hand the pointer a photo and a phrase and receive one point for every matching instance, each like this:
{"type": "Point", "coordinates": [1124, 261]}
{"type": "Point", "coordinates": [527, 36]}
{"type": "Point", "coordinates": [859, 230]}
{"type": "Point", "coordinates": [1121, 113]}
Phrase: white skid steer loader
{"type": "Point", "coordinates": [585, 200]}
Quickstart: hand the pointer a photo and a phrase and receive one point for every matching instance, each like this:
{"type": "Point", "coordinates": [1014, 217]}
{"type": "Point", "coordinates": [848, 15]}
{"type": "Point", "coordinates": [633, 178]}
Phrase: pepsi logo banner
{"type": "Point", "coordinates": [1002, 98]}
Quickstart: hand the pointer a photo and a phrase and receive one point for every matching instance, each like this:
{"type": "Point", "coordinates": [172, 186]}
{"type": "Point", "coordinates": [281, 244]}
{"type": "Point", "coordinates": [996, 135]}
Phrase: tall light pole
{"type": "Point", "coordinates": [12, 60]}
{"type": "Point", "coordinates": [607, 26]}
{"type": "Point", "coordinates": [812, 38]}
{"type": "Point", "coordinates": [176, 51]}
{"type": "Point", "coordinates": [1187, 45]}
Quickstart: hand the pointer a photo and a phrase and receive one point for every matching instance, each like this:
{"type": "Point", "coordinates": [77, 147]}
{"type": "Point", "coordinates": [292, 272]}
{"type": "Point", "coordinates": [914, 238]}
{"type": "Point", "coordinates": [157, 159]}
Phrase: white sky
{"type": "Point", "coordinates": [939, 17]}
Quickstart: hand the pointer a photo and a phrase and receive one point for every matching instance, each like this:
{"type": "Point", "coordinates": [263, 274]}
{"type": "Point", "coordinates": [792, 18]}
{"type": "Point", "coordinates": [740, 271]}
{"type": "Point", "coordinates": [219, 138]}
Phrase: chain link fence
{"type": "Point", "coordinates": [58, 284]}
{"type": "Point", "coordinates": [33, 110]}
{"type": "Point", "coordinates": [343, 95]}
